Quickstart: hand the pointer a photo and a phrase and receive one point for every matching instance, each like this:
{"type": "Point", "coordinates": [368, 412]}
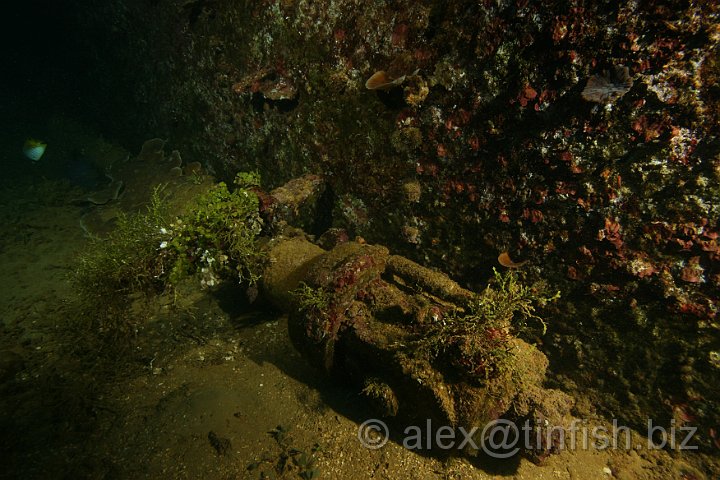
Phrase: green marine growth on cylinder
{"type": "Point", "coordinates": [150, 251]}
{"type": "Point", "coordinates": [317, 304]}
{"type": "Point", "coordinates": [311, 299]}
{"type": "Point", "coordinates": [478, 341]}
{"type": "Point", "coordinates": [382, 395]}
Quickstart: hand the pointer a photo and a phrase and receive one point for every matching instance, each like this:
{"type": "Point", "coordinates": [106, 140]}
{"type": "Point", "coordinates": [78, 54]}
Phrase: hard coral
{"type": "Point", "coordinates": [608, 86]}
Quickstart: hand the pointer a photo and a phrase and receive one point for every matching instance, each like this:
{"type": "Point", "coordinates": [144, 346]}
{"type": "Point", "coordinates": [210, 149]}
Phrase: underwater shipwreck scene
{"type": "Point", "coordinates": [332, 239]}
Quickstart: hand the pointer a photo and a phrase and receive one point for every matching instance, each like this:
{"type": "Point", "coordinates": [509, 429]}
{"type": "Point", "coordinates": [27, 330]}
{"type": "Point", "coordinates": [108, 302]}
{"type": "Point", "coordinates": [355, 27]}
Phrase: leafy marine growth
{"type": "Point", "coordinates": [479, 341]}
{"type": "Point", "coordinates": [311, 299]}
{"type": "Point", "coordinates": [114, 268]}
{"type": "Point", "coordinates": [508, 303]}
{"type": "Point", "coordinates": [150, 251]}
{"type": "Point", "coordinates": [317, 304]}
{"type": "Point", "coordinates": [216, 237]}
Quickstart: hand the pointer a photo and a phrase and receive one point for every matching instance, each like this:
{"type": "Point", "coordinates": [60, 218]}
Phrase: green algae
{"type": "Point", "coordinates": [216, 237]}
{"type": "Point", "coordinates": [125, 263]}
{"type": "Point", "coordinates": [149, 252]}
{"type": "Point", "coordinates": [479, 339]}
{"type": "Point", "coordinates": [309, 298]}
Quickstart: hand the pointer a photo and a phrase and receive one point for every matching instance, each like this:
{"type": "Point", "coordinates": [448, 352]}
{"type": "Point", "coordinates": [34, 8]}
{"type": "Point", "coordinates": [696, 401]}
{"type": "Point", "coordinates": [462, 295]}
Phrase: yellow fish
{"type": "Point", "coordinates": [34, 149]}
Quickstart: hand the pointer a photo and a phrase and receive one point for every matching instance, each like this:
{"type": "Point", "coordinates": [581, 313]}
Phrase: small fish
{"type": "Point", "coordinates": [505, 260]}
{"type": "Point", "coordinates": [380, 80]}
{"type": "Point", "coordinates": [34, 149]}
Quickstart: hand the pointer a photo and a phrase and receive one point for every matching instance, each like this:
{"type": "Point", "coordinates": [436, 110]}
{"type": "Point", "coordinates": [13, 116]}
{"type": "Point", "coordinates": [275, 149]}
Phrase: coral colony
{"type": "Point", "coordinates": [609, 86]}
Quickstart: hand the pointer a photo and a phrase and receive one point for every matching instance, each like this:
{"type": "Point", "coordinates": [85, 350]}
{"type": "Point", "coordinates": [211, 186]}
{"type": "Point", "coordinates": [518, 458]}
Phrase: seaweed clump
{"type": "Point", "coordinates": [479, 340]}
{"type": "Point", "coordinates": [113, 269]}
{"type": "Point", "coordinates": [150, 252]}
{"type": "Point", "coordinates": [216, 237]}
{"type": "Point", "coordinates": [316, 300]}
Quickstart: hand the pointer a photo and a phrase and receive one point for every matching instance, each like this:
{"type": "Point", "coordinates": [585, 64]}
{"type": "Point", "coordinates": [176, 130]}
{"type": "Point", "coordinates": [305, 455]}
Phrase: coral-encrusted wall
{"type": "Point", "coordinates": [483, 144]}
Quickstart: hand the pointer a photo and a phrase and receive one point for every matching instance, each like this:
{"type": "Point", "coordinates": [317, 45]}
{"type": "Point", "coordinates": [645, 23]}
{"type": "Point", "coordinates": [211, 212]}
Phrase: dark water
{"type": "Point", "coordinates": [82, 172]}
